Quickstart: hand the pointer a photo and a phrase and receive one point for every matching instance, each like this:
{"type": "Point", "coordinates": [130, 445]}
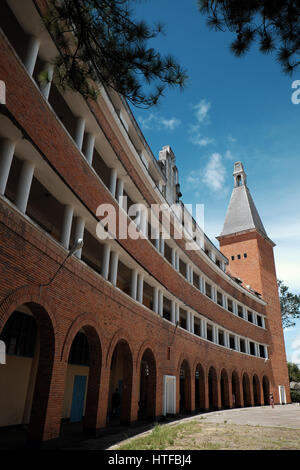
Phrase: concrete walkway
{"type": "Point", "coordinates": [287, 416]}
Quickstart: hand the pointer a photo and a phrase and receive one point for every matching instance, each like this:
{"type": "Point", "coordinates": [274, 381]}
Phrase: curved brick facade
{"type": "Point", "coordinates": [127, 334]}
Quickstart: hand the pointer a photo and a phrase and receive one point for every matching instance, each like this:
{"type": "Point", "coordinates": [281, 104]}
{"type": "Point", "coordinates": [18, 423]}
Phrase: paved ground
{"type": "Point", "coordinates": [287, 416]}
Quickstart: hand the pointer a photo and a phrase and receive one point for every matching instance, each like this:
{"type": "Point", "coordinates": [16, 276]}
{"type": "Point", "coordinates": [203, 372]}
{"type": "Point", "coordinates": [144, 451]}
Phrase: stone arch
{"type": "Point", "coordinates": [256, 390]}
{"type": "Point", "coordinates": [85, 325]}
{"type": "Point", "coordinates": [246, 389]}
{"type": "Point", "coordinates": [84, 320]}
{"type": "Point", "coordinates": [120, 364]}
{"type": "Point", "coordinates": [121, 334]}
{"type": "Point", "coordinates": [148, 382]}
{"type": "Point", "coordinates": [199, 375]}
{"type": "Point", "coordinates": [25, 295]}
{"type": "Point", "coordinates": [144, 346]}
{"type": "Point", "coordinates": [46, 345]}
{"type": "Point", "coordinates": [185, 390]}
{"type": "Point", "coordinates": [213, 393]}
{"type": "Point", "coordinates": [236, 389]}
{"type": "Point", "coordinates": [266, 389]}
{"type": "Point", "coordinates": [224, 382]}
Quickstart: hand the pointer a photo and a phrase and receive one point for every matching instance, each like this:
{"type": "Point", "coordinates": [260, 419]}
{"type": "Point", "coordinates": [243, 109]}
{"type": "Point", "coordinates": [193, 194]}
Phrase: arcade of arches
{"type": "Point", "coordinates": [29, 382]}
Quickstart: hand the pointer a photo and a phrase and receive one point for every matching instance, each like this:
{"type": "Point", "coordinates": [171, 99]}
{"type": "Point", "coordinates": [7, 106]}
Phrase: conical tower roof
{"type": "Point", "coordinates": [242, 214]}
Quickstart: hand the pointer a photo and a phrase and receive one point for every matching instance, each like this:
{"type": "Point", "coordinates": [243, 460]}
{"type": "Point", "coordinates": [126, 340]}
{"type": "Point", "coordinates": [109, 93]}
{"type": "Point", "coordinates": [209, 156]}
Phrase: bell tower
{"type": "Point", "coordinates": [245, 243]}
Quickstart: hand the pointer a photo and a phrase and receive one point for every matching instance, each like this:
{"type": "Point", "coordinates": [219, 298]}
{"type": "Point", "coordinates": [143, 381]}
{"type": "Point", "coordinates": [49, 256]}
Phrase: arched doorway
{"type": "Point", "coordinates": [147, 397]}
{"type": "Point", "coordinates": [266, 390]}
{"type": "Point", "coordinates": [82, 383]}
{"type": "Point", "coordinates": [26, 377]}
{"type": "Point", "coordinates": [236, 395]}
{"type": "Point", "coordinates": [213, 389]}
{"type": "Point", "coordinates": [246, 390]}
{"type": "Point", "coordinates": [185, 388]}
{"type": "Point", "coordinates": [225, 402]}
{"type": "Point", "coordinates": [199, 388]}
{"type": "Point", "coordinates": [120, 384]}
{"type": "Point", "coordinates": [256, 391]}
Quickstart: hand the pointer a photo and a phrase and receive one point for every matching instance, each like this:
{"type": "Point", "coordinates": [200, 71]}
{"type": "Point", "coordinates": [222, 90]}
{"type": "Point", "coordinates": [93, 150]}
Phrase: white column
{"type": "Point", "coordinates": [160, 303]}
{"type": "Point", "coordinates": [119, 190]}
{"type": "Point", "coordinates": [24, 185]}
{"type": "Point", "coordinates": [156, 239]}
{"type": "Point", "coordinates": [191, 275]}
{"type": "Point", "coordinates": [177, 261]}
{"type": "Point", "coordinates": [113, 182]}
{"type": "Point", "coordinates": [256, 349]}
{"type": "Point", "coordinates": [214, 293]}
{"type": "Point", "coordinates": [140, 288]}
{"type": "Point", "coordinates": [192, 323]}
{"type": "Point", "coordinates": [254, 318]}
{"type": "Point", "coordinates": [143, 220]}
{"type": "Point", "coordinates": [177, 313]}
{"type": "Point", "coordinates": [162, 245]}
{"type": "Point", "coordinates": [105, 261]}
{"type": "Point", "coordinates": [79, 132]}
{"type": "Point", "coordinates": [188, 321]}
{"type": "Point", "coordinates": [235, 308]}
{"type": "Point", "coordinates": [31, 54]}
{"type": "Point", "coordinates": [79, 233]}
{"type": "Point", "coordinates": [173, 257]}
{"type": "Point", "coordinates": [187, 272]}
{"type": "Point", "coordinates": [236, 343]}
{"type": "Point", "coordinates": [225, 303]}
{"type": "Point", "coordinates": [46, 87]}
{"type": "Point", "coordinates": [215, 334]}
{"type": "Point", "coordinates": [6, 156]}
{"type": "Point", "coordinates": [113, 274]}
{"type": "Point", "coordinates": [266, 352]}
{"type": "Point", "coordinates": [89, 150]}
{"type": "Point", "coordinates": [226, 339]}
{"type": "Point", "coordinates": [245, 315]}
{"type": "Point", "coordinates": [66, 226]}
{"type": "Point", "coordinates": [155, 299]}
{"type": "Point", "coordinates": [263, 324]}
{"type": "Point", "coordinates": [173, 311]}
{"type": "Point", "coordinates": [247, 345]}
{"type": "Point", "coordinates": [134, 277]}
{"type": "Point", "coordinates": [203, 328]}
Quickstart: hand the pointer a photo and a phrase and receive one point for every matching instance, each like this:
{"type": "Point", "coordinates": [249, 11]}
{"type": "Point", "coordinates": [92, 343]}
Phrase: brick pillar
{"type": "Point", "coordinates": [46, 412]}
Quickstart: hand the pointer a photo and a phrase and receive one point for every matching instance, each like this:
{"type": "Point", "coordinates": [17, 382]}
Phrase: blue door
{"type": "Point", "coordinates": [78, 398]}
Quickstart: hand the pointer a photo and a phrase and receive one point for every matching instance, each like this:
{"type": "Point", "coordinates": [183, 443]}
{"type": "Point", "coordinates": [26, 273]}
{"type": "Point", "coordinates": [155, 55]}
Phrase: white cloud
{"type": "Point", "coordinates": [156, 122]}
{"type": "Point", "coordinates": [214, 173]}
{"type": "Point", "coordinates": [202, 109]}
{"type": "Point", "coordinates": [228, 155]}
{"type": "Point", "coordinates": [197, 139]}
{"type": "Point", "coordinates": [231, 139]}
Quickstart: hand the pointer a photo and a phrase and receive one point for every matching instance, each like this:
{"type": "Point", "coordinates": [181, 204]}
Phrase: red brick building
{"type": "Point", "coordinates": [173, 330]}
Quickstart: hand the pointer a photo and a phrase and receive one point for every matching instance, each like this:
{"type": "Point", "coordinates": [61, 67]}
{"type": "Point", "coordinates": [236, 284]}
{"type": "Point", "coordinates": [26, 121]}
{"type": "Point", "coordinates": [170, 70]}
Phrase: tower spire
{"type": "Point", "coordinates": [242, 214]}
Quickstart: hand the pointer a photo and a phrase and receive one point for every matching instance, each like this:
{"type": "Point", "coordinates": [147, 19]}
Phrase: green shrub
{"type": "Point", "coordinates": [295, 396]}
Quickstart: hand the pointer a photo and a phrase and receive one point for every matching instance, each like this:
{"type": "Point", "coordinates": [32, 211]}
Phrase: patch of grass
{"type": "Point", "coordinates": [161, 437]}
{"type": "Point", "coordinates": [199, 435]}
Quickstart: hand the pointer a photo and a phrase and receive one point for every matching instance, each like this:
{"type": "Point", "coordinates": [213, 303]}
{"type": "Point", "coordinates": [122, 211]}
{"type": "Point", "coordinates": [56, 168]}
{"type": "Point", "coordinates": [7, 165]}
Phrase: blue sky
{"type": "Point", "coordinates": [231, 109]}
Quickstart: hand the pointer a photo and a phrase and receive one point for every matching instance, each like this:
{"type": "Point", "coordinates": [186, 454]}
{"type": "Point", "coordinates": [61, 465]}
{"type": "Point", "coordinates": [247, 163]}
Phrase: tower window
{"type": "Point", "coordinates": [239, 256]}
{"type": "Point", "coordinates": [245, 255]}
{"type": "Point", "coordinates": [232, 258]}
